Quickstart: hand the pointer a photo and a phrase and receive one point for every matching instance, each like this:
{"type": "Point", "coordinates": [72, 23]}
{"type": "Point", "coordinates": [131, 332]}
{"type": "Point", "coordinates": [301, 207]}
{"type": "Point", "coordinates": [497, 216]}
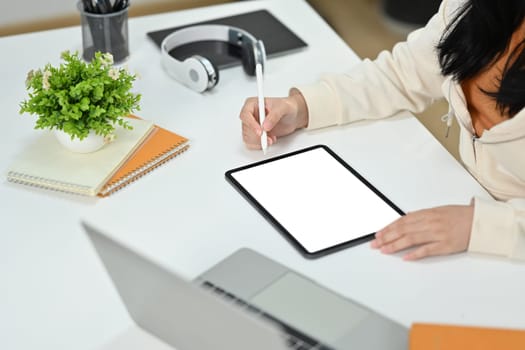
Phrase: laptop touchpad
{"type": "Point", "coordinates": [309, 307]}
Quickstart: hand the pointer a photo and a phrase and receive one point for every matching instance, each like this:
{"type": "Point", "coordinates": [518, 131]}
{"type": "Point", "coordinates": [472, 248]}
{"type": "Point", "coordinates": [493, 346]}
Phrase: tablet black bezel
{"type": "Point", "coordinates": [363, 238]}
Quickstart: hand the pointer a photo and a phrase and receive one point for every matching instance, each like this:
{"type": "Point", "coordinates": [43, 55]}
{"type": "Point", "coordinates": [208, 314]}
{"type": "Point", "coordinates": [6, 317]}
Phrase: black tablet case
{"type": "Point", "coordinates": [277, 38]}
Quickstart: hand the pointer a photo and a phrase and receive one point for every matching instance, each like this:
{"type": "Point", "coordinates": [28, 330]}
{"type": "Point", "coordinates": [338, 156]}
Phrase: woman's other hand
{"type": "Point", "coordinates": [436, 231]}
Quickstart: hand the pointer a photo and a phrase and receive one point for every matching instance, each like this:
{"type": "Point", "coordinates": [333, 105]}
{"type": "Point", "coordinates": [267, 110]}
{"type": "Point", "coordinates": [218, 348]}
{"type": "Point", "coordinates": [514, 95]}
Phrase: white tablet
{"type": "Point", "coordinates": [315, 199]}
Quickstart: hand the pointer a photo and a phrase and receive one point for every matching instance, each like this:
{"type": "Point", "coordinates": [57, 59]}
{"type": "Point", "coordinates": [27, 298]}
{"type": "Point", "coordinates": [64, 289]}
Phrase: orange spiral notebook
{"type": "Point", "coordinates": [425, 336]}
{"type": "Point", "coordinates": [158, 148]}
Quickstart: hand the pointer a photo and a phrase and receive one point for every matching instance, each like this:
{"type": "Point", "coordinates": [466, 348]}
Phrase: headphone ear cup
{"type": "Point", "coordinates": [248, 58]}
{"type": "Point", "coordinates": [215, 78]}
{"type": "Point", "coordinates": [200, 74]}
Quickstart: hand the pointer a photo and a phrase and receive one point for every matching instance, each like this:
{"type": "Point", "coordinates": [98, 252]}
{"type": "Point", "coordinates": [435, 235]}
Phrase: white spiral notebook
{"type": "Point", "coordinates": [47, 164]}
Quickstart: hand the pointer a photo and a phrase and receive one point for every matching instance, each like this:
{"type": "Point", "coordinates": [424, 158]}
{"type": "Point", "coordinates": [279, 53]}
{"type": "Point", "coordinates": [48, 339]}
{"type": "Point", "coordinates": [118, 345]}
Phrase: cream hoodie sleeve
{"type": "Point", "coordinates": [408, 78]}
{"type": "Point", "coordinates": [499, 228]}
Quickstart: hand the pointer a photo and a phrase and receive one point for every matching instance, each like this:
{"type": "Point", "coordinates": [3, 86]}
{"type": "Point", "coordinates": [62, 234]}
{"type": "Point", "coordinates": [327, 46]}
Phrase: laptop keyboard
{"type": "Point", "coordinates": [294, 339]}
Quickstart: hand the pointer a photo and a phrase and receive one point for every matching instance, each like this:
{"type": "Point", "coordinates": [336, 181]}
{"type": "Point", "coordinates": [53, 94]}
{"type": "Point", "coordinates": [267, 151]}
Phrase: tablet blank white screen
{"type": "Point", "coordinates": [316, 199]}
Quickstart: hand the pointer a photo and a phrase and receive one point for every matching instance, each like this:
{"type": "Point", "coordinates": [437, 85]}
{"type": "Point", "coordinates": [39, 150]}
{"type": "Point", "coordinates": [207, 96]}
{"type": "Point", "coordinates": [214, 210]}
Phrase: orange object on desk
{"type": "Point", "coordinates": [427, 336]}
{"type": "Point", "coordinates": [161, 146]}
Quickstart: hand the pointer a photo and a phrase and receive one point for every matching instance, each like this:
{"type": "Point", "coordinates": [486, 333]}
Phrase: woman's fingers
{"type": "Point", "coordinates": [435, 231]}
{"type": "Point", "coordinates": [251, 139]}
{"type": "Point", "coordinates": [430, 249]}
{"type": "Point", "coordinates": [250, 117]}
{"type": "Point", "coordinates": [409, 224]}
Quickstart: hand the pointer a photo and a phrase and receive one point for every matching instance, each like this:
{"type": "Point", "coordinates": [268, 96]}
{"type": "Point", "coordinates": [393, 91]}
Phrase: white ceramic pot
{"type": "Point", "coordinates": [91, 143]}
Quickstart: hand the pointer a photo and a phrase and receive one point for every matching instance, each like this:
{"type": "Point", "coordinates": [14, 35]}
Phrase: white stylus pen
{"type": "Point", "coordinates": [260, 100]}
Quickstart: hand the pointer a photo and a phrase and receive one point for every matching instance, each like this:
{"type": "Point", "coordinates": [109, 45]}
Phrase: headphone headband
{"type": "Point", "coordinates": [197, 72]}
{"type": "Point", "coordinates": [233, 35]}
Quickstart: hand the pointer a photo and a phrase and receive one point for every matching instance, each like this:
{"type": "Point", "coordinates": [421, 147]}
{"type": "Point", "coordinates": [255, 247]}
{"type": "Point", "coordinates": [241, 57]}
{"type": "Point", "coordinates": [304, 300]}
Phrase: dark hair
{"type": "Point", "coordinates": [478, 35]}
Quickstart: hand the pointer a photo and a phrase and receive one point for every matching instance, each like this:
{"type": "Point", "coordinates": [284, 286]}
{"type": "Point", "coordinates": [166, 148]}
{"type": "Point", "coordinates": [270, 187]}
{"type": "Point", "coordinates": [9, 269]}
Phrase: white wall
{"type": "Point", "coordinates": [19, 11]}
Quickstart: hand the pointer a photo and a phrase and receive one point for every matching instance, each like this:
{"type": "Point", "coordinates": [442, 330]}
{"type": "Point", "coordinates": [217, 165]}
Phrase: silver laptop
{"type": "Point", "coordinates": [246, 301]}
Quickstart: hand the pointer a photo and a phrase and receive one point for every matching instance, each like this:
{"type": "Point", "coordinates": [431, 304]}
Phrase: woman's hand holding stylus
{"type": "Point", "coordinates": [283, 117]}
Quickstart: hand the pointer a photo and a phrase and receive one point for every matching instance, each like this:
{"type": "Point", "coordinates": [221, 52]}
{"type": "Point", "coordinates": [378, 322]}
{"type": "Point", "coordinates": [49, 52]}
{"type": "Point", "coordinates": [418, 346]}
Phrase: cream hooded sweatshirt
{"type": "Point", "coordinates": [409, 78]}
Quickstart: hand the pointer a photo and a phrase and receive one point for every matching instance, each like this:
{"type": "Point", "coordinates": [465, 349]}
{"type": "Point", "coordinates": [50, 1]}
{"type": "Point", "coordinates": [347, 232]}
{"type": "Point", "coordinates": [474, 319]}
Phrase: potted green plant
{"type": "Point", "coordinates": [82, 101]}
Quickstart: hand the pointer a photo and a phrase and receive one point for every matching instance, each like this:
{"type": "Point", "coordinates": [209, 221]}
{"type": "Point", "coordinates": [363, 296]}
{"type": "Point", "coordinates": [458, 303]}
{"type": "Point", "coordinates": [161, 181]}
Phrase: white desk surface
{"type": "Point", "coordinates": [54, 293]}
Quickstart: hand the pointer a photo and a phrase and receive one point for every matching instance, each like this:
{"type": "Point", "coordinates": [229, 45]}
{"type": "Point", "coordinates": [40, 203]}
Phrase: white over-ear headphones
{"type": "Point", "coordinates": [197, 72]}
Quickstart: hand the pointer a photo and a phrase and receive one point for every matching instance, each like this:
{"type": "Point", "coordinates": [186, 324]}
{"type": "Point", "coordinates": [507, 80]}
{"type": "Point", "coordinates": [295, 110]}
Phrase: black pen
{"type": "Point", "coordinates": [94, 6]}
{"type": "Point", "coordinates": [100, 5]}
{"type": "Point", "coordinates": [88, 7]}
{"type": "Point", "coordinates": [118, 5]}
{"type": "Point", "coordinates": [107, 6]}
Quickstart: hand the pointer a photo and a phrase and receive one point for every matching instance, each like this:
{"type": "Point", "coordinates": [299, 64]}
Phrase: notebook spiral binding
{"type": "Point", "coordinates": [48, 184]}
{"type": "Point", "coordinates": [143, 170]}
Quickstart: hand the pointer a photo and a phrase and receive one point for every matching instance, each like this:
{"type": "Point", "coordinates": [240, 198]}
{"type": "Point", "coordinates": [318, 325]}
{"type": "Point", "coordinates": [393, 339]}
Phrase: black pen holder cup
{"type": "Point", "coordinates": [107, 33]}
